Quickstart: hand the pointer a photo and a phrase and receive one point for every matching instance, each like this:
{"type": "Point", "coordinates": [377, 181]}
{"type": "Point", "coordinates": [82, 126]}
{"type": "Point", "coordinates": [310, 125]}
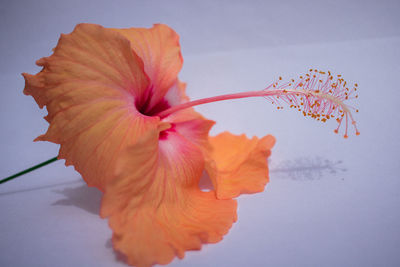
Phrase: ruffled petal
{"type": "Point", "coordinates": [238, 165]}
{"type": "Point", "coordinates": [155, 207]}
{"type": "Point", "coordinates": [159, 49]}
{"type": "Point", "coordinates": [89, 86]}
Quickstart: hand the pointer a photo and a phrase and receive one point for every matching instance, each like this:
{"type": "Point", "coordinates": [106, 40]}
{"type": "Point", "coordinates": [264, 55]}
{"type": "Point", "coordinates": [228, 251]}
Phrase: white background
{"type": "Point", "coordinates": [330, 201]}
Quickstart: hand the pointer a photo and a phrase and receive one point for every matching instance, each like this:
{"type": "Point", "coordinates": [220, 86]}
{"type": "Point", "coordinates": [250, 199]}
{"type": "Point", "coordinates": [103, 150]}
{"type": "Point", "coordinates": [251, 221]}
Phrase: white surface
{"type": "Point", "coordinates": [307, 216]}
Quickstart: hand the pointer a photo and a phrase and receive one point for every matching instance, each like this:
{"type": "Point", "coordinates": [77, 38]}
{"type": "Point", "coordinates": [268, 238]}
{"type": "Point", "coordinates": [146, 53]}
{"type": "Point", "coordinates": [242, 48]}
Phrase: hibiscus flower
{"type": "Point", "coordinates": [123, 120]}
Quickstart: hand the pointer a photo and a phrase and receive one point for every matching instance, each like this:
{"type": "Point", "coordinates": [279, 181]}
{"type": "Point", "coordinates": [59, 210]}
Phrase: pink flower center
{"type": "Point", "coordinates": [143, 105]}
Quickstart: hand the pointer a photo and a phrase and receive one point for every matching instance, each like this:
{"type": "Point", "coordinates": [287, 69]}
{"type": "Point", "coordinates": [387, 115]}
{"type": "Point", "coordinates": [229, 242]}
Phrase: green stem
{"type": "Point", "coordinates": [28, 170]}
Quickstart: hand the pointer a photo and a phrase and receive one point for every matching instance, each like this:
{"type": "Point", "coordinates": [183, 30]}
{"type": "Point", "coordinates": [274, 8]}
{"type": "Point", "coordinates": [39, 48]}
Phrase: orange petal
{"type": "Point", "coordinates": [155, 207]}
{"type": "Point", "coordinates": [159, 49]}
{"type": "Point", "coordinates": [239, 165]}
{"type": "Point", "coordinates": [89, 86]}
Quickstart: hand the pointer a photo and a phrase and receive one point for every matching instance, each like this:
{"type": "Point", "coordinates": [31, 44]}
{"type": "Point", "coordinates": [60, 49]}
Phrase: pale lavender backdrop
{"type": "Point", "coordinates": [330, 202]}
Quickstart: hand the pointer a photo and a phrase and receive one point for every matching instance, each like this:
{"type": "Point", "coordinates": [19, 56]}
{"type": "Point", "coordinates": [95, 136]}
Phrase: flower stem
{"type": "Point", "coordinates": [28, 170]}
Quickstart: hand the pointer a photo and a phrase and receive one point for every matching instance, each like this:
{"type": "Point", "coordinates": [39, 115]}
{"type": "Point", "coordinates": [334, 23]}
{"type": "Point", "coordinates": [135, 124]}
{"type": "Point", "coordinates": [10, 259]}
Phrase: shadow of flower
{"type": "Point", "coordinates": [41, 187]}
{"type": "Point", "coordinates": [306, 169]}
{"type": "Point", "coordinates": [299, 169]}
{"type": "Point", "coordinates": [84, 197]}
{"type": "Point", "coordinates": [119, 257]}
{"type": "Point", "coordinates": [88, 199]}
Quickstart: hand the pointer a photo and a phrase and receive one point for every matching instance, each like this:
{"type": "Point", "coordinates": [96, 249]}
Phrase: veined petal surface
{"type": "Point", "coordinates": [155, 207]}
{"type": "Point", "coordinates": [159, 49]}
{"type": "Point", "coordinates": [89, 87]}
{"type": "Point", "coordinates": [238, 164]}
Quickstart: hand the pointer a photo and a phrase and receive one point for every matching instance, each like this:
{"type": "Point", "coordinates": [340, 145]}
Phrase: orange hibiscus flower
{"type": "Point", "coordinates": [103, 89]}
{"type": "Point", "coordinates": [123, 120]}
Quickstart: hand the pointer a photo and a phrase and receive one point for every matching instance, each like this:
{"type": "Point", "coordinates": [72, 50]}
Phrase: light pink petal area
{"type": "Point", "coordinates": [155, 207]}
{"type": "Point", "coordinates": [159, 49]}
{"type": "Point", "coordinates": [176, 94]}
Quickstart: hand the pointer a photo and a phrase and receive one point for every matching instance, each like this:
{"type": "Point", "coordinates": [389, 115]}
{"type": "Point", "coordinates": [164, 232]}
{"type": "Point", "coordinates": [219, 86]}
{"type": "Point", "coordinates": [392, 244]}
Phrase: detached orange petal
{"type": "Point", "coordinates": [89, 86]}
{"type": "Point", "coordinates": [155, 206]}
{"type": "Point", "coordinates": [239, 165]}
{"type": "Point", "coordinates": [159, 49]}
